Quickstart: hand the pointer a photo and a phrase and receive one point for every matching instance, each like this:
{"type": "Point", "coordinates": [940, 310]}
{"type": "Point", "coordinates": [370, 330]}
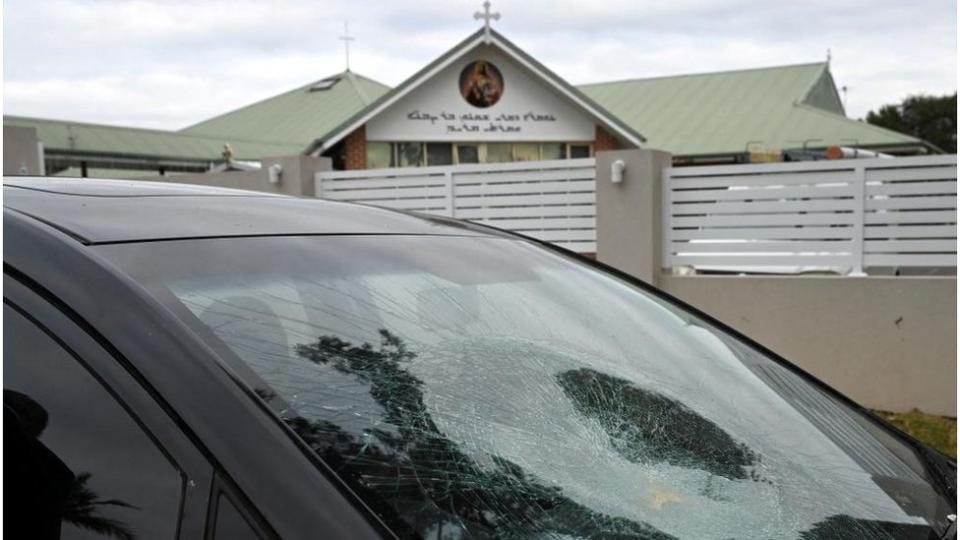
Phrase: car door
{"type": "Point", "coordinates": [90, 453]}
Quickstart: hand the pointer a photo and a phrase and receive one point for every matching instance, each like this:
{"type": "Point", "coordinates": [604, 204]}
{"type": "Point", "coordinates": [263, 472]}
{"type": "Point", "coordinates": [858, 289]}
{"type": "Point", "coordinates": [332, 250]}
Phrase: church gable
{"type": "Point", "coordinates": [483, 96]}
{"type": "Point", "coordinates": [487, 94]}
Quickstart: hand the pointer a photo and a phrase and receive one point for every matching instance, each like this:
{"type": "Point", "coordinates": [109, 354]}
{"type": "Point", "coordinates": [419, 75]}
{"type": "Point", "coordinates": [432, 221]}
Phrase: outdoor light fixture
{"type": "Point", "coordinates": [616, 171]}
{"type": "Point", "coordinates": [274, 172]}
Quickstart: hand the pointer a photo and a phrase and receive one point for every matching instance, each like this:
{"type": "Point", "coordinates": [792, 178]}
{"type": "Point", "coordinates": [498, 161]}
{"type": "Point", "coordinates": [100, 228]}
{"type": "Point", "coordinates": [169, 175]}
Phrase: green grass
{"type": "Point", "coordinates": [937, 431]}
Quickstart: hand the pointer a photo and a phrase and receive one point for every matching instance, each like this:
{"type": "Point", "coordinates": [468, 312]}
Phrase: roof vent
{"type": "Point", "coordinates": [324, 84]}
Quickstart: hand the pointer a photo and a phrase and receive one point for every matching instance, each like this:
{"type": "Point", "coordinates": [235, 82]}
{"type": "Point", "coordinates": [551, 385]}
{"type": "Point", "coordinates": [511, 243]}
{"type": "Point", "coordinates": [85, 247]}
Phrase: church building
{"type": "Point", "coordinates": [486, 100]}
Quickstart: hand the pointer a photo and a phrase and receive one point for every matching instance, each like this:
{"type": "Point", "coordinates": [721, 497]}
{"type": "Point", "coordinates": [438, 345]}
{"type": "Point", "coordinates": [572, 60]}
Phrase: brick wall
{"type": "Point", "coordinates": [355, 149]}
{"type": "Point", "coordinates": [604, 141]}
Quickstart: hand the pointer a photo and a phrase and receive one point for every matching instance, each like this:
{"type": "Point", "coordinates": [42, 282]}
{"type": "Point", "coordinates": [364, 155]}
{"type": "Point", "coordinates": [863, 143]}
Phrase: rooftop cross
{"type": "Point", "coordinates": [346, 39]}
{"type": "Point", "coordinates": [486, 16]}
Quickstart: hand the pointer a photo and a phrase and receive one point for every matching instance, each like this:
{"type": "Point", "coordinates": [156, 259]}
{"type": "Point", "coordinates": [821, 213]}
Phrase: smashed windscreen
{"type": "Point", "coordinates": [487, 388]}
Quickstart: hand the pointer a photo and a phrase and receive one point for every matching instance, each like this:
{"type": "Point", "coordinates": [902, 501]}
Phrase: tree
{"type": "Point", "coordinates": [931, 118]}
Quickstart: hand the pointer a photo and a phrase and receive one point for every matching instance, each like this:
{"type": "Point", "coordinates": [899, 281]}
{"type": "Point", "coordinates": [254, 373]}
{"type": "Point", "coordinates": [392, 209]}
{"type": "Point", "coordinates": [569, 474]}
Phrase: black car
{"type": "Point", "coordinates": [189, 362]}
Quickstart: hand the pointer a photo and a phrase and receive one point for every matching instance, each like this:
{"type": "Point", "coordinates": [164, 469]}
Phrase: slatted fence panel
{"type": "Point", "coordinates": [549, 200]}
{"type": "Point", "coordinates": [840, 215]}
{"type": "Point", "coordinates": [911, 213]}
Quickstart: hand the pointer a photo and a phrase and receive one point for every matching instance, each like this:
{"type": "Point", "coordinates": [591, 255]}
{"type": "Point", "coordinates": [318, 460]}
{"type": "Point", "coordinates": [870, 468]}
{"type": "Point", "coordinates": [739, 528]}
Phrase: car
{"type": "Point", "coordinates": [194, 362]}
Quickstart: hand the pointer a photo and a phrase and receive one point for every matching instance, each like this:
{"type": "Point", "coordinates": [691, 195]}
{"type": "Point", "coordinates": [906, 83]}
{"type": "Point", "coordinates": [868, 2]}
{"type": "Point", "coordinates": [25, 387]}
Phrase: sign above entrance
{"type": "Point", "coordinates": [481, 122]}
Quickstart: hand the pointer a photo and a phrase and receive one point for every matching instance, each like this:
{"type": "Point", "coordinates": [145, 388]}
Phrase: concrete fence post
{"type": "Point", "coordinates": [22, 151]}
{"type": "Point", "coordinates": [629, 229]}
{"type": "Point", "coordinates": [297, 176]}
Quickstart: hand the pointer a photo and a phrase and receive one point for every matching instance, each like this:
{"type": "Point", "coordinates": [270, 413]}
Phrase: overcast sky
{"type": "Point", "coordinates": [169, 63]}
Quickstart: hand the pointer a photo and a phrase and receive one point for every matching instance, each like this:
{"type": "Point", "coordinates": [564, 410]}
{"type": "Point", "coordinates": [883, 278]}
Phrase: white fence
{"type": "Point", "coordinates": [842, 215]}
{"type": "Point", "coordinates": [549, 200]}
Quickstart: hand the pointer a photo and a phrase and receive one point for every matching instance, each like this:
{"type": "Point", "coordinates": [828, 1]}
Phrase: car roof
{"type": "Point", "coordinates": [112, 211]}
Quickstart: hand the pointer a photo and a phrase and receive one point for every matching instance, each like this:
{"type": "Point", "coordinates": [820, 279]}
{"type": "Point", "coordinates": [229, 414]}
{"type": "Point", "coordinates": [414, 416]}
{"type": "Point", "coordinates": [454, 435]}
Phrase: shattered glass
{"type": "Point", "coordinates": [486, 388]}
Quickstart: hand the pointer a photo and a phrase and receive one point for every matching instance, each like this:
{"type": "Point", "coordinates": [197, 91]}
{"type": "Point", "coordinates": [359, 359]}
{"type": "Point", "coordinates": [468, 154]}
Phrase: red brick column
{"type": "Point", "coordinates": [355, 149]}
{"type": "Point", "coordinates": [604, 141]}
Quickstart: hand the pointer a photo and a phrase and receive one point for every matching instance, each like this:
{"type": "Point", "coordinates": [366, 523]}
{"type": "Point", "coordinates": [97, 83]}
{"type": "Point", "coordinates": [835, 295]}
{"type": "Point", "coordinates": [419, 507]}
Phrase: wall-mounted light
{"type": "Point", "coordinates": [616, 171]}
{"type": "Point", "coordinates": [274, 172]}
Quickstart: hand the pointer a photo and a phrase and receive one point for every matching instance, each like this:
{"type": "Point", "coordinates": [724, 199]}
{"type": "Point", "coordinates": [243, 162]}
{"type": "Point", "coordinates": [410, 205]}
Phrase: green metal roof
{"type": "Point", "coordinates": [127, 141]}
{"type": "Point", "coordinates": [300, 115]}
{"type": "Point", "coordinates": [97, 172]}
{"type": "Point", "coordinates": [687, 115]}
{"type": "Point", "coordinates": [723, 113]}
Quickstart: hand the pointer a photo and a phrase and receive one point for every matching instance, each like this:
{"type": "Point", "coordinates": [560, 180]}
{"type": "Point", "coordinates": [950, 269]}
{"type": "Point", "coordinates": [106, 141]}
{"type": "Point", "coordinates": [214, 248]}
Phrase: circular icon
{"type": "Point", "coordinates": [481, 84]}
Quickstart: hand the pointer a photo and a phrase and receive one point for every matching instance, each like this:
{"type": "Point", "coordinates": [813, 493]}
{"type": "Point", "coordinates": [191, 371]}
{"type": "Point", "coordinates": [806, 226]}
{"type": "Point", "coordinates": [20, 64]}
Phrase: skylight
{"type": "Point", "coordinates": [324, 84]}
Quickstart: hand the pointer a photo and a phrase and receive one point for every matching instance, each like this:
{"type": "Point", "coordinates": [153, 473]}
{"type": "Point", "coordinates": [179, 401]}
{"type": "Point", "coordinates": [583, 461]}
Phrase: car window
{"type": "Point", "coordinates": [470, 387]}
{"type": "Point", "coordinates": [77, 464]}
{"type": "Point", "coordinates": [230, 523]}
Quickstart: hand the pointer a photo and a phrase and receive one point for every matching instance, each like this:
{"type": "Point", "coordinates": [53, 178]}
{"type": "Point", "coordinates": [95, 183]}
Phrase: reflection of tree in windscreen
{"type": "Point", "coordinates": [421, 475]}
{"type": "Point", "coordinates": [83, 505]}
{"type": "Point", "coordinates": [647, 427]}
{"type": "Point", "coordinates": [43, 483]}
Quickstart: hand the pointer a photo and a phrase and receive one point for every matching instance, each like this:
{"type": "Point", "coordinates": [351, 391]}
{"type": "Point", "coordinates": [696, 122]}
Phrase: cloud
{"type": "Point", "coordinates": [170, 63]}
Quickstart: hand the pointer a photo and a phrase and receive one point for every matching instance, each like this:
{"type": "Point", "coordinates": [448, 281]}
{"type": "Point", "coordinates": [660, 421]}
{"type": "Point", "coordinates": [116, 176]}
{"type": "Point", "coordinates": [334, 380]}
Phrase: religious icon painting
{"type": "Point", "coordinates": [481, 84]}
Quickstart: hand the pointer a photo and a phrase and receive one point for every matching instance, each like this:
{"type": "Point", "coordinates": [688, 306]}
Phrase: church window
{"type": "Point", "coordinates": [526, 152]}
{"type": "Point", "coordinates": [468, 153]}
{"type": "Point", "coordinates": [380, 155]}
{"type": "Point", "coordinates": [499, 153]}
{"type": "Point", "coordinates": [410, 154]}
{"type": "Point", "coordinates": [553, 151]}
{"type": "Point", "coordinates": [579, 151]}
{"type": "Point", "coordinates": [439, 154]}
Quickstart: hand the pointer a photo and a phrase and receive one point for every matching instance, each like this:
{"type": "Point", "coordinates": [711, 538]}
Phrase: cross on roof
{"type": "Point", "coordinates": [346, 39]}
{"type": "Point", "coordinates": [486, 16]}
